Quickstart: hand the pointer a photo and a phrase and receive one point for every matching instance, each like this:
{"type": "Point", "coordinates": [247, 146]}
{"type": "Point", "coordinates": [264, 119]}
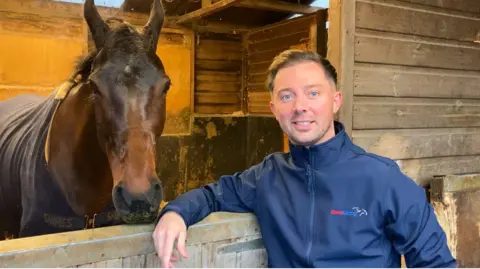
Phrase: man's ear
{"type": "Point", "coordinates": [337, 101]}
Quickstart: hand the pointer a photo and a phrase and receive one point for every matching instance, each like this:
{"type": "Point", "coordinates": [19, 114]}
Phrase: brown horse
{"type": "Point", "coordinates": [87, 151]}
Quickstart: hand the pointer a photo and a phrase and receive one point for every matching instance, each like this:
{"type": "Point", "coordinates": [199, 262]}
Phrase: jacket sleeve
{"type": "Point", "coordinates": [231, 193]}
{"type": "Point", "coordinates": [412, 225]}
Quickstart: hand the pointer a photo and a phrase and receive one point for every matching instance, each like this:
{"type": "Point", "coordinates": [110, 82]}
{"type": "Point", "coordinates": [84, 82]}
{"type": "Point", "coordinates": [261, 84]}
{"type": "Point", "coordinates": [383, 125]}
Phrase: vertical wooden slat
{"type": "Point", "coordinates": [341, 53]}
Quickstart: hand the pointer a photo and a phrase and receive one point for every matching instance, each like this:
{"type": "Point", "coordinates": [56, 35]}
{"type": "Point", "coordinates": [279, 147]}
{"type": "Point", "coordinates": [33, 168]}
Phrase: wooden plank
{"type": "Point", "coordinates": [219, 50]}
{"type": "Point", "coordinates": [259, 109]}
{"type": "Point", "coordinates": [284, 41]}
{"type": "Point", "coordinates": [218, 65]}
{"type": "Point", "coordinates": [341, 52]}
{"type": "Point", "coordinates": [257, 78]}
{"type": "Point", "coordinates": [13, 23]}
{"type": "Point", "coordinates": [419, 143]}
{"type": "Point", "coordinates": [399, 49]}
{"type": "Point", "coordinates": [104, 244]}
{"type": "Point", "coordinates": [207, 11]}
{"type": "Point", "coordinates": [263, 97]}
{"type": "Point", "coordinates": [264, 56]}
{"type": "Point", "coordinates": [276, 29]}
{"type": "Point", "coordinates": [216, 98]}
{"type": "Point", "coordinates": [455, 183]}
{"type": "Point", "coordinates": [281, 6]}
{"type": "Point", "coordinates": [401, 81]}
{"type": "Point", "coordinates": [219, 45]}
{"type": "Point", "coordinates": [400, 17]}
{"type": "Point", "coordinates": [217, 109]}
{"type": "Point", "coordinates": [259, 102]}
{"type": "Point", "coordinates": [257, 68]}
{"type": "Point", "coordinates": [216, 76]}
{"type": "Point", "coordinates": [423, 170]}
{"type": "Point", "coordinates": [257, 87]}
{"type": "Point", "coordinates": [460, 195]}
{"type": "Point", "coordinates": [134, 261]}
{"type": "Point", "coordinates": [205, 86]}
{"type": "Point", "coordinates": [391, 112]}
{"type": "Point", "coordinates": [471, 6]}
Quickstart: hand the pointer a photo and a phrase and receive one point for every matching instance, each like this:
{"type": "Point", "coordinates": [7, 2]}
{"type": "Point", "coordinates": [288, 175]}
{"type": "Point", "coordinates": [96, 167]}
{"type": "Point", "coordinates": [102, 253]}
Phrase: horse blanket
{"type": "Point", "coordinates": [31, 203]}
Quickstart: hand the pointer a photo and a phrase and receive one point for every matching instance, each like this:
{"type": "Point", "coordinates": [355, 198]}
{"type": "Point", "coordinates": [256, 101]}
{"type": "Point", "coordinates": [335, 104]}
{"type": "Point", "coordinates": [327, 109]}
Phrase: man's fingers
{"type": "Point", "coordinates": [181, 244]}
{"type": "Point", "coordinates": [159, 238]}
{"type": "Point", "coordinates": [174, 258]}
{"type": "Point", "coordinates": [168, 248]}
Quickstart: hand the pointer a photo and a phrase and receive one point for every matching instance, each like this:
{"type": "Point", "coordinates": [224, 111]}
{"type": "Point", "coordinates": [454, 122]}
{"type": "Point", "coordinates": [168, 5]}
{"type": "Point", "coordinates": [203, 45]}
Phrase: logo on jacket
{"type": "Point", "coordinates": [356, 212]}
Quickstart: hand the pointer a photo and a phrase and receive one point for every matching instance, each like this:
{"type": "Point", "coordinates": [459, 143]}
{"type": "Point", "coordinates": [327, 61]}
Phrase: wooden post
{"type": "Point", "coordinates": [341, 32]}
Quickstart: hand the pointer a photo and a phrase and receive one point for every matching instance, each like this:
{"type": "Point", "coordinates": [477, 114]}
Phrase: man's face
{"type": "Point", "coordinates": [304, 102]}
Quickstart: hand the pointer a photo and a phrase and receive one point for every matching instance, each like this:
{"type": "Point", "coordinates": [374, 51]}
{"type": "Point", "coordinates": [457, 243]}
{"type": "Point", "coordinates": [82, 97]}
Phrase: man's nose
{"type": "Point", "coordinates": [301, 104]}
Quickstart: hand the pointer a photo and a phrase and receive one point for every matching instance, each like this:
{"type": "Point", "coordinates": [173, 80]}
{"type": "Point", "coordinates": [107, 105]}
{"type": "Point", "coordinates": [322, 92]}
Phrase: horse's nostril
{"type": "Point", "coordinates": [119, 190]}
{"type": "Point", "coordinates": [157, 187]}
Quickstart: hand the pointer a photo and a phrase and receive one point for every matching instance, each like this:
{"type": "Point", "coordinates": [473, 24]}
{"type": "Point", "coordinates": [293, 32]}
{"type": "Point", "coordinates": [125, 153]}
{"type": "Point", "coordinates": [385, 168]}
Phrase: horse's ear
{"type": "Point", "coordinates": [154, 25]}
{"type": "Point", "coordinates": [97, 26]}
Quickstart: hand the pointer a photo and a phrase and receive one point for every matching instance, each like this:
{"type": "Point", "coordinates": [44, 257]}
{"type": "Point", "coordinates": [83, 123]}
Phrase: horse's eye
{"type": "Point", "coordinates": [168, 84]}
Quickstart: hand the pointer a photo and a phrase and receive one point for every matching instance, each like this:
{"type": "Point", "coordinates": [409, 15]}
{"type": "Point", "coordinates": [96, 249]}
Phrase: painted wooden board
{"type": "Point", "coordinates": [400, 49]}
{"type": "Point", "coordinates": [402, 81]}
{"type": "Point", "coordinates": [391, 112]}
{"type": "Point", "coordinates": [416, 20]}
{"type": "Point", "coordinates": [470, 6]}
{"type": "Point", "coordinates": [114, 246]}
{"type": "Point", "coordinates": [419, 143]}
{"type": "Point", "coordinates": [422, 170]}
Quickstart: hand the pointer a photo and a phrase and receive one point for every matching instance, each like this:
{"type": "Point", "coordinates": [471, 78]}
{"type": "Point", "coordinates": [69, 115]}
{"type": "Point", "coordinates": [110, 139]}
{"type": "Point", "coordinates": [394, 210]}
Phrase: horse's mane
{"type": "Point", "coordinates": [83, 66]}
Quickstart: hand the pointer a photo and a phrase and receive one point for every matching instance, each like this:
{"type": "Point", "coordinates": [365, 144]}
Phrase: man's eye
{"type": "Point", "coordinates": [286, 97]}
{"type": "Point", "coordinates": [314, 94]}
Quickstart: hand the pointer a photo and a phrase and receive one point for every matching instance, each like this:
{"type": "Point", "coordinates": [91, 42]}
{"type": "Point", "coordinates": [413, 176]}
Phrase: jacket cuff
{"type": "Point", "coordinates": [176, 209]}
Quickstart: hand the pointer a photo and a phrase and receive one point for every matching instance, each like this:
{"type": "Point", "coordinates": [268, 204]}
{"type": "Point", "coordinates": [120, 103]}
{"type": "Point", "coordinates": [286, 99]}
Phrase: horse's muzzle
{"type": "Point", "coordinates": [139, 207]}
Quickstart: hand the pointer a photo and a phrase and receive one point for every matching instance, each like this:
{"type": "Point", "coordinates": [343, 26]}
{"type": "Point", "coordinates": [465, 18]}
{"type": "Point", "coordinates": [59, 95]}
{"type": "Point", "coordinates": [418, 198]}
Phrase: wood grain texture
{"type": "Point", "coordinates": [341, 52]}
{"type": "Point", "coordinates": [419, 143]}
{"type": "Point", "coordinates": [401, 81]}
{"type": "Point", "coordinates": [416, 20]}
{"type": "Point", "coordinates": [390, 112]}
{"type": "Point", "coordinates": [110, 246]}
{"type": "Point", "coordinates": [218, 74]}
{"type": "Point", "coordinates": [399, 49]}
{"type": "Point", "coordinates": [423, 170]}
{"type": "Point", "coordinates": [470, 6]}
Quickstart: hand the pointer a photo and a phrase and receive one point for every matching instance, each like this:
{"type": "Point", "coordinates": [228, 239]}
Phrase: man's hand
{"type": "Point", "coordinates": [170, 227]}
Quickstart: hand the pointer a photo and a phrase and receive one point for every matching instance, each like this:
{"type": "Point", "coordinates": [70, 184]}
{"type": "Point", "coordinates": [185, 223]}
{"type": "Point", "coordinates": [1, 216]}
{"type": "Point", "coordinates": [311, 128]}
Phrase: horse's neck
{"type": "Point", "coordinates": [80, 167]}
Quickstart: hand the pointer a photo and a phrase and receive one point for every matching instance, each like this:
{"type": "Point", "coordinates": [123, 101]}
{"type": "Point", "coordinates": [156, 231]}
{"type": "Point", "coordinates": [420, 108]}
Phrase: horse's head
{"type": "Point", "coordinates": [129, 85]}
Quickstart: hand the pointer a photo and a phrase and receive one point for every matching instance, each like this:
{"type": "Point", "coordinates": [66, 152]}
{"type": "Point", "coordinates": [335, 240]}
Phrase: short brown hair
{"type": "Point", "coordinates": [290, 57]}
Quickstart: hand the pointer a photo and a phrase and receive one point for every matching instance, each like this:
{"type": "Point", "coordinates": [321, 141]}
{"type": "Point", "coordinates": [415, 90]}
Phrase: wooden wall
{"type": "Point", "coordinates": [218, 73]}
{"type": "Point", "coordinates": [263, 44]}
{"type": "Point", "coordinates": [410, 75]}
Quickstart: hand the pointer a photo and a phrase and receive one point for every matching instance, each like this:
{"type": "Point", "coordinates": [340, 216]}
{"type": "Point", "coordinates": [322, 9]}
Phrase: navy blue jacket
{"type": "Point", "coordinates": [330, 205]}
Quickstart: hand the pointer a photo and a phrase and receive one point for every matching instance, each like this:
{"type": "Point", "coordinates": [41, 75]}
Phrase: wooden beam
{"type": "Point", "coordinates": [206, 3]}
{"type": "Point", "coordinates": [206, 11]}
{"type": "Point", "coordinates": [281, 6]}
{"type": "Point", "coordinates": [219, 27]}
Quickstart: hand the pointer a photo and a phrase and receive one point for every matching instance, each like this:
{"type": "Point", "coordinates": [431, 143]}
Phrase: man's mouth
{"type": "Point", "coordinates": [302, 123]}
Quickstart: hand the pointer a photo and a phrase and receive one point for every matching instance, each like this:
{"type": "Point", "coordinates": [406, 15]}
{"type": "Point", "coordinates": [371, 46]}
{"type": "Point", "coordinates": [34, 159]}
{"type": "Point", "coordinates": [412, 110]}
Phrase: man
{"type": "Point", "coordinates": [327, 203]}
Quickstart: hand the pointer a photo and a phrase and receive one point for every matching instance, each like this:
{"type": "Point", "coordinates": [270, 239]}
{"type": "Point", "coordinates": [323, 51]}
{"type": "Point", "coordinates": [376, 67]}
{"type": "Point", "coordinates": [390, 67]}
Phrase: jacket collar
{"type": "Point", "coordinates": [323, 154]}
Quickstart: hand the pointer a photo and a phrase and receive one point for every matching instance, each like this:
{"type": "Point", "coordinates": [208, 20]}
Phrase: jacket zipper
{"type": "Point", "coordinates": [311, 191]}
